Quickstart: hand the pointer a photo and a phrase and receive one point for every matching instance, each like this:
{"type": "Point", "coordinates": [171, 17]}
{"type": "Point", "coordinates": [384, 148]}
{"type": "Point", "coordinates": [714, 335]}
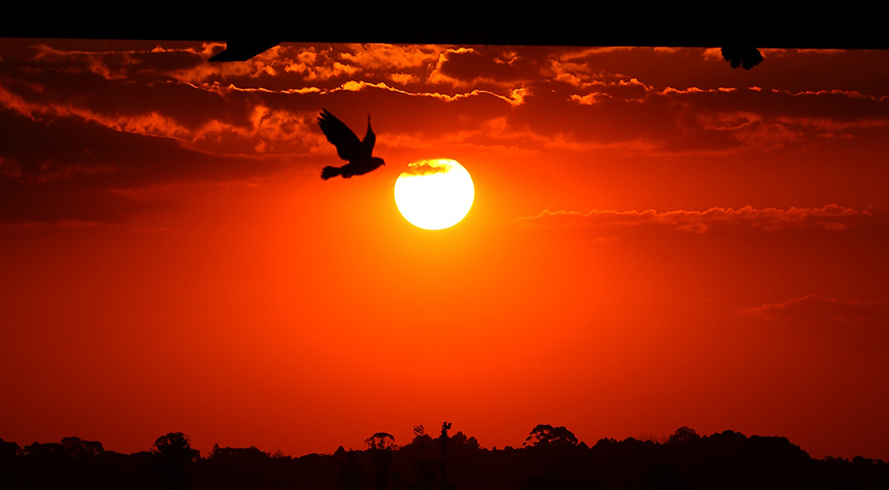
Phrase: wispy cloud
{"type": "Point", "coordinates": [831, 217]}
{"type": "Point", "coordinates": [814, 308]}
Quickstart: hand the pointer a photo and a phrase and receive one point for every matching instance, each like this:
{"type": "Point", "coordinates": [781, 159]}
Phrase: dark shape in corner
{"type": "Point", "coordinates": [242, 49]}
{"type": "Point", "coordinates": [746, 57]}
{"type": "Point", "coordinates": [349, 147]}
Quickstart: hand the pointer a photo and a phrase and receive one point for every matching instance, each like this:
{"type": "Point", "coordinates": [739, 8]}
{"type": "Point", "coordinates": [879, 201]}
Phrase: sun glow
{"type": "Point", "coordinates": [434, 194]}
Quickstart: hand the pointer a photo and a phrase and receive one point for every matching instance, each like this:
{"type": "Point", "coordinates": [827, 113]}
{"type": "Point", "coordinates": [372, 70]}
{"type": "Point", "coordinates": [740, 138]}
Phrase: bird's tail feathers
{"type": "Point", "coordinates": [329, 172]}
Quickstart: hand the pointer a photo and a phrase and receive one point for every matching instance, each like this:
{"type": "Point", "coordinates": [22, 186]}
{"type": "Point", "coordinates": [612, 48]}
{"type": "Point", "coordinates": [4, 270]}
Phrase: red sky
{"type": "Point", "coordinates": [657, 240]}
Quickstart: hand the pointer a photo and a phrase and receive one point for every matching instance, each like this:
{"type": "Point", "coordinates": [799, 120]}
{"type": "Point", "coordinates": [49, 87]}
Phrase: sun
{"type": "Point", "coordinates": [434, 194]}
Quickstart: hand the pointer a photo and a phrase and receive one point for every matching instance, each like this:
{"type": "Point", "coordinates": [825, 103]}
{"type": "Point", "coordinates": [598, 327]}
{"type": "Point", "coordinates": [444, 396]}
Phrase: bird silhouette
{"type": "Point", "coordinates": [349, 147]}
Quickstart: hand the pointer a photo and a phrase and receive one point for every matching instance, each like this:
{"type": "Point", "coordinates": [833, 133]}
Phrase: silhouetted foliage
{"type": "Point", "coordinates": [421, 450]}
{"type": "Point", "coordinates": [380, 441]}
{"type": "Point", "coordinates": [9, 449]}
{"type": "Point", "coordinates": [77, 448]}
{"type": "Point", "coordinates": [171, 457]}
{"type": "Point", "coordinates": [175, 446]}
{"type": "Point", "coordinates": [684, 435]}
{"type": "Point", "coordinates": [48, 450]}
{"type": "Point", "coordinates": [349, 469]}
{"type": "Point", "coordinates": [381, 446]}
{"type": "Point", "coordinates": [238, 455]}
{"type": "Point", "coordinates": [444, 440]}
{"type": "Point", "coordinates": [547, 435]}
{"type": "Point", "coordinates": [460, 440]}
{"type": "Point", "coordinates": [552, 458]}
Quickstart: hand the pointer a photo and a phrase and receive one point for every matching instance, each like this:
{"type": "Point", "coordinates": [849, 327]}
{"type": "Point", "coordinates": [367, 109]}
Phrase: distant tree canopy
{"type": "Point", "coordinates": [460, 440]}
{"type": "Point", "coordinates": [240, 454]}
{"type": "Point", "coordinates": [684, 434]}
{"type": "Point", "coordinates": [545, 435]}
{"type": "Point", "coordinates": [381, 441]}
{"type": "Point", "coordinates": [9, 448]}
{"type": "Point", "coordinates": [46, 450]}
{"type": "Point", "coordinates": [171, 459]}
{"type": "Point", "coordinates": [71, 447]}
{"type": "Point", "coordinates": [79, 448]}
{"type": "Point", "coordinates": [552, 458]}
{"type": "Point", "coordinates": [175, 446]}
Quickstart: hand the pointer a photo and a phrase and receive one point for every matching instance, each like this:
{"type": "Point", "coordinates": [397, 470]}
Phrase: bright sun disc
{"type": "Point", "coordinates": [434, 194]}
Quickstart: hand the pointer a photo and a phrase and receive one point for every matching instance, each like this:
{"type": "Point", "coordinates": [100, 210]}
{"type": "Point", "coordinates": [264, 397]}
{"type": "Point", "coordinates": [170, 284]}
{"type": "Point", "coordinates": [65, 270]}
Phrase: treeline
{"type": "Point", "coordinates": [550, 458]}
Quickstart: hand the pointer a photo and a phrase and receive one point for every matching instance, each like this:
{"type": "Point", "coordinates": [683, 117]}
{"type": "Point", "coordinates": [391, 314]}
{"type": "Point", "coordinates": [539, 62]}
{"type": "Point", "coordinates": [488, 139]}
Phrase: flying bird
{"type": "Point", "coordinates": [349, 147]}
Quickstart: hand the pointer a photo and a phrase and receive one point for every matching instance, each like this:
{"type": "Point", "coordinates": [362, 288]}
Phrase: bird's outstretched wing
{"type": "Point", "coordinates": [347, 144]}
{"type": "Point", "coordinates": [367, 145]}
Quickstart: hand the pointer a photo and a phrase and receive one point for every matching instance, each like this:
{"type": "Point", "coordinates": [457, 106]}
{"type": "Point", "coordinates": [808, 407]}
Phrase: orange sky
{"type": "Point", "coordinates": [657, 240]}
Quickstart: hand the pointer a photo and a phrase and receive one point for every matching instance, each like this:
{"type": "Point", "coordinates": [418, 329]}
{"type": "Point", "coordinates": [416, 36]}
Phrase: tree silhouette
{"type": "Point", "coordinates": [380, 441]}
{"type": "Point", "coordinates": [684, 434]}
{"type": "Point", "coordinates": [444, 441]}
{"type": "Point", "coordinates": [460, 440]}
{"type": "Point", "coordinates": [175, 444]}
{"type": "Point", "coordinates": [77, 448]}
{"type": "Point", "coordinates": [349, 469]}
{"type": "Point", "coordinates": [424, 468]}
{"type": "Point", "coordinates": [46, 450]}
{"type": "Point", "coordinates": [381, 446]}
{"type": "Point", "coordinates": [9, 449]}
{"type": "Point", "coordinates": [237, 454]}
{"type": "Point", "coordinates": [171, 456]}
{"type": "Point", "coordinates": [545, 435]}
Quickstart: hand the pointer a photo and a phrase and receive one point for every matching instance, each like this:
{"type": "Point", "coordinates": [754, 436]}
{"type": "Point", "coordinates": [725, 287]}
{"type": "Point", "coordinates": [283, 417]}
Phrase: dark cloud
{"type": "Point", "coordinates": [145, 61]}
{"type": "Point", "coordinates": [68, 169]}
{"type": "Point", "coordinates": [577, 95]}
{"type": "Point", "coordinates": [60, 204]}
{"type": "Point", "coordinates": [131, 103]}
{"type": "Point", "coordinates": [87, 125]}
{"type": "Point", "coordinates": [491, 66]}
{"type": "Point", "coordinates": [111, 116]}
{"type": "Point", "coordinates": [675, 120]}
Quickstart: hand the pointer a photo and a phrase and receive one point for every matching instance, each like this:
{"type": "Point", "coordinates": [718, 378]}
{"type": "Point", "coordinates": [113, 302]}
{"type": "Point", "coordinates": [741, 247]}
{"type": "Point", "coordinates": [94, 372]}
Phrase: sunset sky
{"type": "Point", "coordinates": [657, 240]}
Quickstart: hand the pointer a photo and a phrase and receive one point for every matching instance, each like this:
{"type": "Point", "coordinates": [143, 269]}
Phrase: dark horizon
{"type": "Point", "coordinates": [551, 457]}
{"type": "Point", "coordinates": [542, 434]}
